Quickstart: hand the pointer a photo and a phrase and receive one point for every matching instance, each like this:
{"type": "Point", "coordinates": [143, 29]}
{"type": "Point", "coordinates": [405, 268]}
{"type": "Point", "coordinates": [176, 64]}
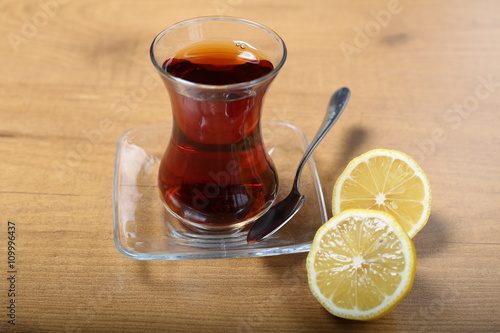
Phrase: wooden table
{"type": "Point", "coordinates": [425, 79]}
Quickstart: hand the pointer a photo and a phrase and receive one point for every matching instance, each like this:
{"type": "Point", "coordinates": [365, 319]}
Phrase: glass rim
{"type": "Point", "coordinates": [256, 81]}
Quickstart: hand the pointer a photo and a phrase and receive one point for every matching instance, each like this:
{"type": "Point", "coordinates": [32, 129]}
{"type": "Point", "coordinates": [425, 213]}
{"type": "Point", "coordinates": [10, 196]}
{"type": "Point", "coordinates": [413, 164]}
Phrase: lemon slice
{"type": "Point", "coordinates": [386, 180]}
{"type": "Point", "coordinates": [361, 264]}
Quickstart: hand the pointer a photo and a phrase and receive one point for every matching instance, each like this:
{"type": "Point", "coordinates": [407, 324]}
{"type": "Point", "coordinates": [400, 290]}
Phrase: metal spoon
{"type": "Point", "coordinates": [282, 212]}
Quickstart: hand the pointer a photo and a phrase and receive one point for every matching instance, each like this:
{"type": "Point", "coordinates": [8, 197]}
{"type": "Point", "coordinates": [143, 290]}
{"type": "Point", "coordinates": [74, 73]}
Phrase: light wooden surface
{"type": "Point", "coordinates": [426, 81]}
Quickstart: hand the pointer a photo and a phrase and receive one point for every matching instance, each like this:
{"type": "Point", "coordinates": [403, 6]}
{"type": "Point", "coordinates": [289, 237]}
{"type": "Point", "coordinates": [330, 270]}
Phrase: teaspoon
{"type": "Point", "coordinates": [282, 212]}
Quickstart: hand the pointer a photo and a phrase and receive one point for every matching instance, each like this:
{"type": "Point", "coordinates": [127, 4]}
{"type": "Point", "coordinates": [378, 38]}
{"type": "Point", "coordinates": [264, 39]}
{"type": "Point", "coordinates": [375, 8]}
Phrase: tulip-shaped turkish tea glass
{"type": "Point", "coordinates": [215, 175]}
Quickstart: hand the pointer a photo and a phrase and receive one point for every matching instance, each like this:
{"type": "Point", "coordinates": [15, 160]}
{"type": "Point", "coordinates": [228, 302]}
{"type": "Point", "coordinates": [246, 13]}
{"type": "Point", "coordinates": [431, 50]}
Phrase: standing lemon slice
{"type": "Point", "coordinates": [361, 264]}
{"type": "Point", "coordinates": [386, 180]}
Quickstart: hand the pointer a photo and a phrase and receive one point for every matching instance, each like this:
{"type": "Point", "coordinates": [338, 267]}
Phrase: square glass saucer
{"type": "Point", "coordinates": [144, 230]}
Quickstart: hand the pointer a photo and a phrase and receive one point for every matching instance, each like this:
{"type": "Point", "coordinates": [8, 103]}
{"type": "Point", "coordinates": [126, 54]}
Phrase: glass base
{"type": "Point", "coordinates": [202, 232]}
{"type": "Point", "coordinates": [145, 230]}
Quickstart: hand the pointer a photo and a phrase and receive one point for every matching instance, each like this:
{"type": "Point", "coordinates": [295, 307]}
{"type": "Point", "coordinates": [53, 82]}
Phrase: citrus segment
{"type": "Point", "coordinates": [388, 181]}
{"type": "Point", "coordinates": [361, 264]}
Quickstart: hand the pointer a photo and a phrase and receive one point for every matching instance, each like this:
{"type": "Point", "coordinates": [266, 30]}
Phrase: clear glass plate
{"type": "Point", "coordinates": [144, 230]}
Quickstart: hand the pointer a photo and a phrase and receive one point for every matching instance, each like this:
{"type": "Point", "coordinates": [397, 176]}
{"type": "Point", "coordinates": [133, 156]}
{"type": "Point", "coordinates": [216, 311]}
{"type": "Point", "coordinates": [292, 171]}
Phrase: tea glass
{"type": "Point", "coordinates": [215, 175]}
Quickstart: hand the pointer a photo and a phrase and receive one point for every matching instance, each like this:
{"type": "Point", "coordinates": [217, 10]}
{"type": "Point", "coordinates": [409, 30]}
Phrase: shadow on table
{"type": "Point", "coordinates": [433, 237]}
{"type": "Point", "coordinates": [353, 138]}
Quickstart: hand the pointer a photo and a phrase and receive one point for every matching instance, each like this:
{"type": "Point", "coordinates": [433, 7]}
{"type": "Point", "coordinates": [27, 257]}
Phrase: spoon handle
{"type": "Point", "coordinates": [335, 107]}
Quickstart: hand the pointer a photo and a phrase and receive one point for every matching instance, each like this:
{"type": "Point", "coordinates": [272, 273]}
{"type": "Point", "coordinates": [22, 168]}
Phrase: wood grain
{"type": "Point", "coordinates": [426, 82]}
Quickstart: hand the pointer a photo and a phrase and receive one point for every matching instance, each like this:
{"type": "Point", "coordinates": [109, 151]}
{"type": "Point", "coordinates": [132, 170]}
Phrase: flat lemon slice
{"type": "Point", "coordinates": [361, 264]}
{"type": "Point", "coordinates": [389, 181]}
